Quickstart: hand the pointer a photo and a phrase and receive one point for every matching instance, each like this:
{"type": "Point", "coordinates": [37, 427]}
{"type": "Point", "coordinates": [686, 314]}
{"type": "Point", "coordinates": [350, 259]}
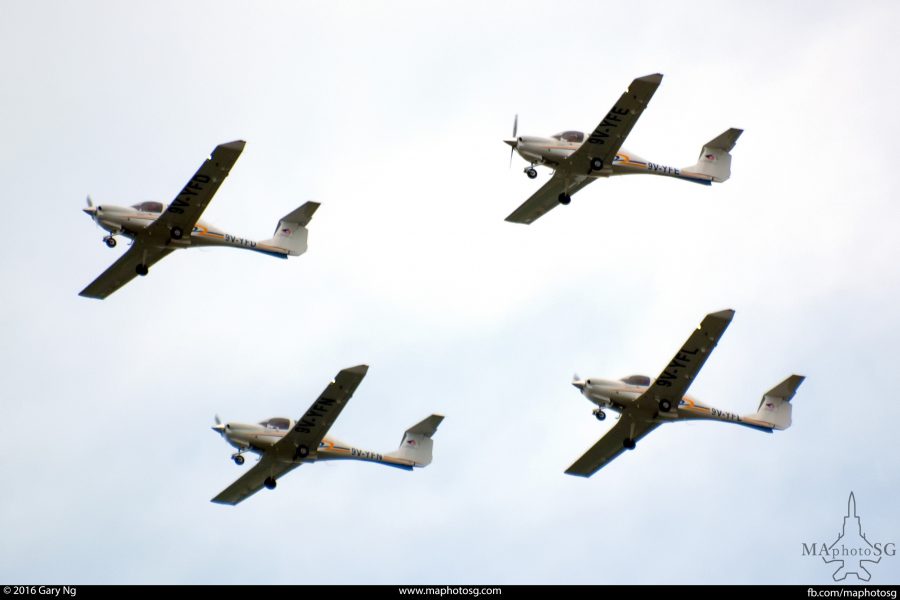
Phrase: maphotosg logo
{"type": "Point", "coordinates": [852, 552]}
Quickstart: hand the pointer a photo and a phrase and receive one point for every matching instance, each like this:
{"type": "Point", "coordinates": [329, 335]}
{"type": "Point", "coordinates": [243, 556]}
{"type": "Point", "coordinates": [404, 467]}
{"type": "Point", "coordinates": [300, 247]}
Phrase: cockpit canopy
{"type": "Point", "coordinates": [641, 380]}
{"type": "Point", "coordinates": [279, 423]}
{"type": "Point", "coordinates": [149, 206]}
{"type": "Point", "coordinates": [569, 136]}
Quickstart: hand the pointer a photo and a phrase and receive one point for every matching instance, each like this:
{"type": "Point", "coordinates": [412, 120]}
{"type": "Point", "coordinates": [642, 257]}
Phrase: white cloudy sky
{"type": "Point", "coordinates": [392, 114]}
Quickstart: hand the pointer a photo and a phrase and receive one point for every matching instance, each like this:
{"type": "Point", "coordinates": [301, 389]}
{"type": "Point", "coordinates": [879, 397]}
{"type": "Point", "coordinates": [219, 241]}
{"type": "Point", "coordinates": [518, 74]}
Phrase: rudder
{"type": "Point", "coordinates": [291, 233]}
{"type": "Point", "coordinates": [775, 406]}
{"type": "Point", "coordinates": [715, 158]}
{"type": "Point", "coordinates": [417, 444]}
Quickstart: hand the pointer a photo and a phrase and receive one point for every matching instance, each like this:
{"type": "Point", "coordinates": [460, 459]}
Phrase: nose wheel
{"type": "Point", "coordinates": [238, 459]}
{"type": "Point", "coordinates": [601, 416]}
{"type": "Point", "coordinates": [531, 172]}
{"type": "Point", "coordinates": [110, 241]}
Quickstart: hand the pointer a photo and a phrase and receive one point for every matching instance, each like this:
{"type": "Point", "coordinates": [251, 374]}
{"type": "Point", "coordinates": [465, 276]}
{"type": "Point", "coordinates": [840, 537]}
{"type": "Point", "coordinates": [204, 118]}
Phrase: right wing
{"type": "Point", "coordinates": [301, 442]}
{"type": "Point", "coordinates": [125, 269]}
{"type": "Point", "coordinates": [547, 198]}
{"type": "Point", "coordinates": [631, 425]}
{"type": "Point", "coordinates": [253, 480]}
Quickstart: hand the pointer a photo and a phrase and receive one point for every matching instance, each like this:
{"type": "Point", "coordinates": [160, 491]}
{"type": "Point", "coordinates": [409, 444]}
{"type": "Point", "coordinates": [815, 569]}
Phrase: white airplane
{"type": "Point", "coordinates": [284, 444]}
{"type": "Point", "coordinates": [157, 229]}
{"type": "Point", "coordinates": [578, 158]}
{"type": "Point", "coordinates": [645, 404]}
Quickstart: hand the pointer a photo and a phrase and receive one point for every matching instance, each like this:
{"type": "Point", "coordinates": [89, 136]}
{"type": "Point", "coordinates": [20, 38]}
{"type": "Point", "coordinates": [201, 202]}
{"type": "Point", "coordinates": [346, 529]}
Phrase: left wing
{"type": "Point", "coordinates": [607, 138]}
{"type": "Point", "coordinates": [184, 211]}
{"type": "Point", "coordinates": [547, 198]}
{"type": "Point", "coordinates": [672, 384]}
{"type": "Point", "coordinates": [302, 441]}
{"type": "Point", "coordinates": [632, 425]}
{"type": "Point", "coordinates": [125, 269]}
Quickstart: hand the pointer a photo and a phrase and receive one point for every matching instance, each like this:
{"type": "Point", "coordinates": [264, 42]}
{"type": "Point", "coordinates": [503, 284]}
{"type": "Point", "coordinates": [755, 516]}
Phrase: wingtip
{"type": "Point", "coordinates": [358, 369]}
{"type": "Point", "coordinates": [652, 78]}
{"type": "Point", "coordinates": [236, 145]}
{"type": "Point", "coordinates": [726, 314]}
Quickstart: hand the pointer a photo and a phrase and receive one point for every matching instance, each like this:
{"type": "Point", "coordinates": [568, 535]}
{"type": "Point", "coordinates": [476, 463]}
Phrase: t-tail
{"type": "Point", "coordinates": [714, 163]}
{"type": "Point", "coordinates": [775, 408]}
{"type": "Point", "coordinates": [417, 443]}
{"type": "Point", "coordinates": [290, 235]}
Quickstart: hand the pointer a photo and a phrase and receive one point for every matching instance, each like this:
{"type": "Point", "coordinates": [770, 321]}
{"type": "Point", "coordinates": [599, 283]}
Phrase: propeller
{"type": "Point", "coordinates": [89, 203]}
{"type": "Point", "coordinates": [577, 381]}
{"type": "Point", "coordinates": [514, 141]}
{"type": "Point", "coordinates": [218, 427]}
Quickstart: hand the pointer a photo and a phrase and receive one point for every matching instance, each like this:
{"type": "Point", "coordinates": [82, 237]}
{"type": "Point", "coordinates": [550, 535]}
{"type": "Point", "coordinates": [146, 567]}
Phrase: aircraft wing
{"type": "Point", "coordinates": [673, 383]}
{"type": "Point", "coordinates": [547, 197]}
{"type": "Point", "coordinates": [124, 270]}
{"type": "Point", "coordinates": [633, 424]}
{"type": "Point", "coordinates": [308, 431]}
{"type": "Point", "coordinates": [185, 210]}
{"type": "Point", "coordinates": [253, 480]}
{"type": "Point", "coordinates": [608, 136]}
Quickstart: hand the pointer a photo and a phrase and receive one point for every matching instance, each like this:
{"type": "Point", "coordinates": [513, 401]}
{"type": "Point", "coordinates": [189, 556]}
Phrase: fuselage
{"type": "Point", "coordinates": [621, 394]}
{"type": "Point", "coordinates": [259, 437]}
{"type": "Point", "coordinates": [130, 220]}
{"type": "Point", "coordinates": [550, 151]}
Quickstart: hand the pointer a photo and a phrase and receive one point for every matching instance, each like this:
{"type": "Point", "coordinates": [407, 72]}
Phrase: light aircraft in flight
{"type": "Point", "coordinates": [156, 229]}
{"type": "Point", "coordinates": [645, 404]}
{"type": "Point", "coordinates": [579, 158]}
{"type": "Point", "coordinates": [284, 444]}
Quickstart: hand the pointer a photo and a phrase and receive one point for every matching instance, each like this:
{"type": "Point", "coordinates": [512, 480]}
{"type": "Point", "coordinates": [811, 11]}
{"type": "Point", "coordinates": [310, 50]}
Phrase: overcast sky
{"type": "Point", "coordinates": [391, 115]}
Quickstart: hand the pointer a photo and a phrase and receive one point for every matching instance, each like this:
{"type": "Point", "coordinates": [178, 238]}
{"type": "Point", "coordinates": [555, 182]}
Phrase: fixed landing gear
{"type": "Point", "coordinates": [177, 233]}
{"type": "Point", "coordinates": [665, 405]}
{"type": "Point", "coordinates": [302, 452]}
{"type": "Point", "coordinates": [110, 241]}
{"type": "Point", "coordinates": [141, 269]}
{"type": "Point", "coordinates": [531, 172]}
{"type": "Point", "coordinates": [601, 416]}
{"type": "Point", "coordinates": [269, 483]}
{"type": "Point", "coordinates": [238, 459]}
{"type": "Point", "coordinates": [596, 164]}
{"type": "Point", "coordinates": [629, 444]}
{"type": "Point", "coordinates": [564, 199]}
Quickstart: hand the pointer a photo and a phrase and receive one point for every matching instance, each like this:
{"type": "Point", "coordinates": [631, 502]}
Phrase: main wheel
{"type": "Point", "coordinates": [532, 173]}
{"type": "Point", "coordinates": [564, 198]}
{"type": "Point", "coordinates": [596, 164]}
{"type": "Point", "coordinates": [302, 451]}
{"type": "Point", "coordinates": [269, 483]}
{"type": "Point", "coordinates": [238, 460]}
{"type": "Point", "coordinates": [177, 233]}
{"type": "Point", "coordinates": [665, 405]}
{"type": "Point", "coordinates": [110, 242]}
{"type": "Point", "coordinates": [141, 270]}
{"type": "Point", "coordinates": [629, 444]}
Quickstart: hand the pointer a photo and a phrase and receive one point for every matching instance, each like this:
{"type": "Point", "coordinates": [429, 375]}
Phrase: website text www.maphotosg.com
{"type": "Point", "coordinates": [853, 592]}
{"type": "Point", "coordinates": [449, 590]}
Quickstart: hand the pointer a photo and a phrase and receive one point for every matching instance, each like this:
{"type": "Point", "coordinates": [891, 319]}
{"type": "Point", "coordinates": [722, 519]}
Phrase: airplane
{"type": "Point", "coordinates": [579, 158]}
{"type": "Point", "coordinates": [645, 404]}
{"type": "Point", "coordinates": [156, 229]}
{"type": "Point", "coordinates": [284, 444]}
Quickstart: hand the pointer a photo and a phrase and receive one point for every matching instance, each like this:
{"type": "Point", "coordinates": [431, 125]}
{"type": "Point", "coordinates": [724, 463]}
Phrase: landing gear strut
{"type": "Point", "coordinates": [531, 172]}
{"type": "Point", "coordinates": [110, 241]}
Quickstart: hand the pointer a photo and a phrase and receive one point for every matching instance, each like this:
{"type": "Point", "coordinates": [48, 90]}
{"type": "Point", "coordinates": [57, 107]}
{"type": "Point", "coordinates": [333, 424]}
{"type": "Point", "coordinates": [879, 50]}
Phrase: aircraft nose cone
{"type": "Point", "coordinates": [89, 210]}
{"type": "Point", "coordinates": [218, 428]}
{"type": "Point", "coordinates": [579, 384]}
{"type": "Point", "coordinates": [511, 143]}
